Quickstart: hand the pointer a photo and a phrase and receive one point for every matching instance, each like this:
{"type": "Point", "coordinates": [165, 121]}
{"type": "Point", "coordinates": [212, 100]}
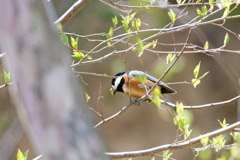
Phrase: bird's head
{"type": "Point", "coordinates": [118, 82]}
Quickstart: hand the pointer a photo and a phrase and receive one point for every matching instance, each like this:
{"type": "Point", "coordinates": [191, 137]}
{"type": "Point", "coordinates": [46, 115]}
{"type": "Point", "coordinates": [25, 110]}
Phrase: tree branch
{"type": "Point", "coordinates": [168, 104]}
{"type": "Point", "coordinates": [4, 85]}
{"type": "Point", "coordinates": [217, 104]}
{"type": "Point", "coordinates": [185, 144]}
{"type": "Point", "coordinates": [118, 113]}
{"type": "Point", "coordinates": [72, 11]}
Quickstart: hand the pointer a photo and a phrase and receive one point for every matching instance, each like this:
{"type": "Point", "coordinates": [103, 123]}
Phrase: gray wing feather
{"type": "Point", "coordinates": [164, 88]}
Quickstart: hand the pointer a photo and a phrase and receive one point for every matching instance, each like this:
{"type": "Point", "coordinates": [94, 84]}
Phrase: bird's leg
{"type": "Point", "coordinates": [135, 102]}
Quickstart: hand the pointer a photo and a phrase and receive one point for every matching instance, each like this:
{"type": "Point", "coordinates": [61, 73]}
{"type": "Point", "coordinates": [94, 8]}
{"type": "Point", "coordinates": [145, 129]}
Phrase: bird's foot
{"type": "Point", "coordinates": [135, 102]}
{"type": "Point", "coordinates": [147, 100]}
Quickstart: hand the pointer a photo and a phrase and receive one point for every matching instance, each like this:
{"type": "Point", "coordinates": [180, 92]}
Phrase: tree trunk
{"type": "Point", "coordinates": [47, 96]}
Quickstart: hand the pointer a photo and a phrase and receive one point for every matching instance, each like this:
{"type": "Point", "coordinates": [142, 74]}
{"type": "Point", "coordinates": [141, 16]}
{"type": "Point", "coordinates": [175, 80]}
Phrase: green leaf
{"type": "Point", "coordinates": [133, 24]}
{"type": "Point", "coordinates": [175, 121]}
{"type": "Point", "coordinates": [172, 15]}
{"type": "Point", "coordinates": [140, 44]}
{"type": "Point", "coordinates": [206, 45]}
{"type": "Point", "coordinates": [204, 11]}
{"type": "Point", "coordinates": [6, 76]}
{"type": "Point", "coordinates": [196, 70]}
{"type": "Point", "coordinates": [220, 140]}
{"type": "Point", "coordinates": [147, 46]}
{"type": "Point", "coordinates": [199, 12]}
{"type": "Point", "coordinates": [74, 42]}
{"type": "Point", "coordinates": [115, 21]}
{"type": "Point", "coordinates": [235, 135]}
{"type": "Point", "coordinates": [223, 124]}
{"type": "Point", "coordinates": [122, 16]}
{"type": "Point", "coordinates": [170, 58]}
{"type": "Point", "coordinates": [20, 155]}
{"type": "Point", "coordinates": [156, 99]}
{"type": "Point", "coordinates": [181, 122]}
{"type": "Point", "coordinates": [227, 3]}
{"type": "Point", "coordinates": [59, 26]}
{"type": "Point", "coordinates": [154, 43]}
{"type": "Point", "coordinates": [179, 108]}
{"type": "Point", "coordinates": [111, 32]}
{"type": "Point", "coordinates": [157, 92]}
{"type": "Point", "coordinates": [166, 155]}
{"type": "Point", "coordinates": [138, 24]}
{"type": "Point", "coordinates": [107, 36]}
{"type": "Point", "coordinates": [153, 158]}
{"type": "Point", "coordinates": [141, 78]}
{"type": "Point", "coordinates": [225, 13]}
{"type": "Point", "coordinates": [111, 90]}
{"type": "Point", "coordinates": [89, 57]}
{"type": "Point", "coordinates": [203, 75]}
{"type": "Point", "coordinates": [64, 38]}
{"type": "Point", "coordinates": [87, 97]}
{"type": "Point", "coordinates": [125, 23]}
{"type": "Point", "coordinates": [132, 16]}
{"type": "Point", "coordinates": [25, 155]}
{"type": "Point", "coordinates": [183, 2]}
{"type": "Point", "coordinates": [187, 134]}
{"type": "Point", "coordinates": [109, 43]}
{"type": "Point", "coordinates": [195, 82]}
{"type": "Point", "coordinates": [179, 1]}
{"type": "Point", "coordinates": [78, 55]}
{"type": "Point", "coordinates": [226, 39]}
{"type": "Point", "coordinates": [204, 141]}
{"type": "Point", "coordinates": [211, 2]}
{"type": "Point", "coordinates": [198, 1]}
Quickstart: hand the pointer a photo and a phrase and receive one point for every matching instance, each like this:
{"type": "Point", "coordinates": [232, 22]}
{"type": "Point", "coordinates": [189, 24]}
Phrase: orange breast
{"type": "Point", "coordinates": [137, 90]}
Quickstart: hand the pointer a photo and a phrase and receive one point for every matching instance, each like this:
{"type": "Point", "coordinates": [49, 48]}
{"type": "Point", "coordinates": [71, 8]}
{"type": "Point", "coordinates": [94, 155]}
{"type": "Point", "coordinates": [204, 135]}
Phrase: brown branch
{"type": "Point", "coordinates": [6, 85]}
{"type": "Point", "coordinates": [38, 157]}
{"type": "Point", "coordinates": [185, 144]}
{"type": "Point", "coordinates": [2, 54]}
{"type": "Point", "coordinates": [163, 6]}
{"type": "Point", "coordinates": [72, 11]}
{"type": "Point", "coordinates": [117, 8]}
{"type": "Point", "coordinates": [118, 113]}
{"type": "Point", "coordinates": [217, 104]}
{"type": "Point", "coordinates": [168, 104]}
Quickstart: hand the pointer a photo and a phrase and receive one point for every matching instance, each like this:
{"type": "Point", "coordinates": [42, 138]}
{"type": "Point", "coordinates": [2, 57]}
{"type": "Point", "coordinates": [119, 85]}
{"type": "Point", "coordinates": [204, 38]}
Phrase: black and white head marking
{"type": "Point", "coordinates": [118, 82]}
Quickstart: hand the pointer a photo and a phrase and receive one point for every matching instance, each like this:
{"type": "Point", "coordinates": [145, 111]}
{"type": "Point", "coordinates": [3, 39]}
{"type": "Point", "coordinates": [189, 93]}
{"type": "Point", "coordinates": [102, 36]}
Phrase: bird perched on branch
{"type": "Point", "coordinates": [121, 84]}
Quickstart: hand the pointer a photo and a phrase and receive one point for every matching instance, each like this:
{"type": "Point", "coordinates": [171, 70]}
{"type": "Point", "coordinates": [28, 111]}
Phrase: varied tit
{"type": "Point", "coordinates": [121, 84]}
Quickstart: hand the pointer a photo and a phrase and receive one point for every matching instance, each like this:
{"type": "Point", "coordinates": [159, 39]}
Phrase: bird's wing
{"type": "Point", "coordinates": [164, 88]}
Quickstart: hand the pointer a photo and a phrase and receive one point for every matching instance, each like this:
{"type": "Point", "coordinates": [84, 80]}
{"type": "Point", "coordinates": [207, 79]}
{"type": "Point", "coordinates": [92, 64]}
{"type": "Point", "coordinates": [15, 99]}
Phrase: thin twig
{"type": "Point", "coordinates": [98, 101]}
{"type": "Point", "coordinates": [217, 104]}
{"type": "Point", "coordinates": [6, 85]}
{"type": "Point", "coordinates": [96, 112]}
{"type": "Point", "coordinates": [72, 11]}
{"type": "Point", "coordinates": [117, 8]}
{"type": "Point", "coordinates": [38, 158]}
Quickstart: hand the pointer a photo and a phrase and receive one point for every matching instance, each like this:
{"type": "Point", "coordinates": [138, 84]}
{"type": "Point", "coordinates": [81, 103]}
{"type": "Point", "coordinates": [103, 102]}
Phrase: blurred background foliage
{"type": "Point", "coordinates": [147, 126]}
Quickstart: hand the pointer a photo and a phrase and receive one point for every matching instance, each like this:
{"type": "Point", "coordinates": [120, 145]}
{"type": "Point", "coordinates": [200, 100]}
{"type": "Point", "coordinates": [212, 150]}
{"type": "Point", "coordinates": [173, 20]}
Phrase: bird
{"type": "Point", "coordinates": [120, 83]}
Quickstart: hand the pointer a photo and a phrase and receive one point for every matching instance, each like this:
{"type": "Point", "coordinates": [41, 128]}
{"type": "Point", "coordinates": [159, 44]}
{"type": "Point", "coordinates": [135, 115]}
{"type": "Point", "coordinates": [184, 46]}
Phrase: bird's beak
{"type": "Point", "coordinates": [114, 91]}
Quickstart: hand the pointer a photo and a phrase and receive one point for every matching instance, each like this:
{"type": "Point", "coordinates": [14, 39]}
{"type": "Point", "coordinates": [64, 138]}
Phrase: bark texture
{"type": "Point", "coordinates": [47, 96]}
